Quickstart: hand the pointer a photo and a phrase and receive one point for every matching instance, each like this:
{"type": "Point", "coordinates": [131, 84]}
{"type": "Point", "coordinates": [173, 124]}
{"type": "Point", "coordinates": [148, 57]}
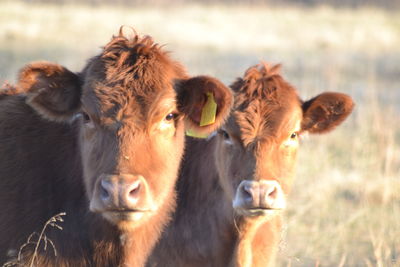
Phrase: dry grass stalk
{"type": "Point", "coordinates": [42, 239]}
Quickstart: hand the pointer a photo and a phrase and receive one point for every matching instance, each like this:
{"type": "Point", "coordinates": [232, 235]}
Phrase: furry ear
{"type": "Point", "coordinates": [195, 95]}
{"type": "Point", "coordinates": [326, 111]}
{"type": "Point", "coordinates": [52, 90]}
{"type": "Point", "coordinates": [7, 89]}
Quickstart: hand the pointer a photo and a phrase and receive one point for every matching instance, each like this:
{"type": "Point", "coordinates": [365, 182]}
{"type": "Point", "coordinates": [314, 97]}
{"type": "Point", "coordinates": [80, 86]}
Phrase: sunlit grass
{"type": "Point", "coordinates": [346, 201]}
{"type": "Point", "coordinates": [213, 26]}
{"type": "Point", "coordinates": [345, 206]}
{"type": "Point", "coordinates": [59, 31]}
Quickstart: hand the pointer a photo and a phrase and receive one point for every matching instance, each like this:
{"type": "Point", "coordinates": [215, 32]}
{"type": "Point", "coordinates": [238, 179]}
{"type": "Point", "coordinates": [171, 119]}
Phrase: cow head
{"type": "Point", "coordinates": [256, 149]}
{"type": "Point", "coordinates": [131, 105]}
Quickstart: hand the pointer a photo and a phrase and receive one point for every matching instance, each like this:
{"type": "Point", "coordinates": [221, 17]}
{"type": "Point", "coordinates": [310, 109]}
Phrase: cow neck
{"type": "Point", "coordinates": [202, 206]}
{"type": "Point", "coordinates": [198, 185]}
{"type": "Point", "coordinates": [139, 243]}
{"type": "Point", "coordinates": [252, 248]}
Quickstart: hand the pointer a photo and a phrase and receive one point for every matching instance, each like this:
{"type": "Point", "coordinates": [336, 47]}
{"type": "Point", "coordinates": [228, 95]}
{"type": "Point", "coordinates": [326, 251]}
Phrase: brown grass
{"type": "Point", "coordinates": [39, 241]}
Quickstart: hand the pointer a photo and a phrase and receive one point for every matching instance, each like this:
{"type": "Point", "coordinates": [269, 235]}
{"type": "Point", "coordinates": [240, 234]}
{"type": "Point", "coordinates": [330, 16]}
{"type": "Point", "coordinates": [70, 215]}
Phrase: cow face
{"type": "Point", "coordinates": [132, 105]}
{"type": "Point", "coordinates": [256, 149]}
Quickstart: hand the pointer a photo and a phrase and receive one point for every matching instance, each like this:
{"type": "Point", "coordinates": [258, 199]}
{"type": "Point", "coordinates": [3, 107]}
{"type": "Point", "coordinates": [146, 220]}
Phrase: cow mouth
{"type": "Point", "coordinates": [131, 215]}
{"type": "Point", "coordinates": [126, 211]}
{"type": "Point", "coordinates": [253, 212]}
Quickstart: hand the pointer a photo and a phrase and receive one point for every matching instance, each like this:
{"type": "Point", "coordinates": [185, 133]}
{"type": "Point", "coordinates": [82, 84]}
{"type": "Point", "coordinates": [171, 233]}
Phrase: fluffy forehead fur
{"type": "Point", "coordinates": [264, 104]}
{"type": "Point", "coordinates": [129, 77]}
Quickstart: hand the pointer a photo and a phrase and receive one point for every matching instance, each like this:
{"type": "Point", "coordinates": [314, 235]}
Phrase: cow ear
{"type": "Point", "coordinates": [52, 90]}
{"type": "Point", "coordinates": [325, 111]}
{"type": "Point", "coordinates": [206, 103]}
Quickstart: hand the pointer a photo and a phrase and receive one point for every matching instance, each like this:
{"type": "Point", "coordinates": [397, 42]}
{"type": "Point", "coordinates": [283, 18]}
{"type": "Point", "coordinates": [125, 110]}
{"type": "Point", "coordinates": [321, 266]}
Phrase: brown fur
{"type": "Point", "coordinates": [60, 132]}
{"type": "Point", "coordinates": [255, 144]}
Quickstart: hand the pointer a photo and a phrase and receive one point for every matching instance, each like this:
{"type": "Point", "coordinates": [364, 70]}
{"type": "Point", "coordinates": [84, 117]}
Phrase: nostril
{"type": "Point", "coordinates": [105, 189]}
{"type": "Point", "coordinates": [272, 196]}
{"type": "Point", "coordinates": [247, 193]}
{"type": "Point", "coordinates": [273, 193]}
{"type": "Point", "coordinates": [104, 193]}
{"type": "Point", "coordinates": [134, 189]}
{"type": "Point", "coordinates": [250, 194]}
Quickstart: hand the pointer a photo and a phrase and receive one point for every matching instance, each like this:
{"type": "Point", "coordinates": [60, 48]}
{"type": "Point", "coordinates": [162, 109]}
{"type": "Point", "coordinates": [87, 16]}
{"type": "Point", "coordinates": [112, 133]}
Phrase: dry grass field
{"type": "Point", "coordinates": [345, 206]}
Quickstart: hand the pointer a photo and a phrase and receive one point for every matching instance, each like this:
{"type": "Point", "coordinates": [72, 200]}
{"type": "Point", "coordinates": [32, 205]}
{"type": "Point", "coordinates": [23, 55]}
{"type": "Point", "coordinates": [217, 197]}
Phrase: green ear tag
{"type": "Point", "coordinates": [209, 111]}
{"type": "Point", "coordinates": [192, 133]}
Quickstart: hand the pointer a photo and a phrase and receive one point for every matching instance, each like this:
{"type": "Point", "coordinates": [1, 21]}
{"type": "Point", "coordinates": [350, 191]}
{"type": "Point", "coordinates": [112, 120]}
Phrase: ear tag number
{"type": "Point", "coordinates": [193, 133]}
{"type": "Point", "coordinates": [209, 111]}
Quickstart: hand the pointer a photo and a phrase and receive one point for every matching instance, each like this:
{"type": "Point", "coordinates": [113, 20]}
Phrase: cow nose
{"type": "Point", "coordinates": [259, 195]}
{"type": "Point", "coordinates": [250, 194]}
{"type": "Point", "coordinates": [270, 194]}
{"type": "Point", "coordinates": [120, 191]}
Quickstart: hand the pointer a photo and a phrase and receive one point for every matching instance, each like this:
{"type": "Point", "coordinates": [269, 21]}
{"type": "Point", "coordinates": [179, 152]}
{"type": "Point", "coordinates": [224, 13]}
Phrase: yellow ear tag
{"type": "Point", "coordinates": [209, 111]}
{"type": "Point", "coordinates": [193, 133]}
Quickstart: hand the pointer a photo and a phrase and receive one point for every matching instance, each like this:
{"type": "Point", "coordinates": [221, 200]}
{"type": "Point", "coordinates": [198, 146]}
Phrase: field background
{"type": "Point", "coordinates": [345, 206]}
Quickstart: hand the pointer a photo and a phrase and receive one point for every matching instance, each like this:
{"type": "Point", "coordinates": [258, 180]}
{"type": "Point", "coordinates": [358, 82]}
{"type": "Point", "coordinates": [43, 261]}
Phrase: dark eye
{"type": "Point", "coordinates": [294, 135]}
{"type": "Point", "coordinates": [171, 116]}
{"type": "Point", "coordinates": [224, 134]}
{"type": "Point", "coordinates": [85, 117]}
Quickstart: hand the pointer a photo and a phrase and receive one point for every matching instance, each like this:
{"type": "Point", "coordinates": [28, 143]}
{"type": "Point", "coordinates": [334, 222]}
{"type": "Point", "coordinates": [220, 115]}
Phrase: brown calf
{"type": "Point", "coordinates": [233, 185]}
{"type": "Point", "coordinates": [104, 146]}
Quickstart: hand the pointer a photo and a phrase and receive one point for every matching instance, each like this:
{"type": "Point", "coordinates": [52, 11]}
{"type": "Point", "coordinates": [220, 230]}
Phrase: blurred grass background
{"type": "Point", "coordinates": [345, 206]}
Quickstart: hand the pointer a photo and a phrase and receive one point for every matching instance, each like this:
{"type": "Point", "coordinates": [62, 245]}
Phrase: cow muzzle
{"type": "Point", "coordinates": [123, 197]}
{"type": "Point", "coordinates": [258, 198]}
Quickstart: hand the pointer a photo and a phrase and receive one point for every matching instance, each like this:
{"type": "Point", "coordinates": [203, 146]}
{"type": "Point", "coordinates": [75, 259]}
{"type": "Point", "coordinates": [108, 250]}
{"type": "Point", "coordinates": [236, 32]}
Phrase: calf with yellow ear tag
{"type": "Point", "coordinates": [233, 186]}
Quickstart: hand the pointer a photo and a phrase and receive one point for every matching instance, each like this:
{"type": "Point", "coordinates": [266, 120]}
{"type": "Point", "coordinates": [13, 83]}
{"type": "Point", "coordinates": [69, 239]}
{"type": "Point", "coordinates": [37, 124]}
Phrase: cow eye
{"type": "Point", "coordinates": [171, 116]}
{"type": "Point", "coordinates": [85, 117]}
{"type": "Point", "coordinates": [294, 135]}
{"type": "Point", "coordinates": [224, 134]}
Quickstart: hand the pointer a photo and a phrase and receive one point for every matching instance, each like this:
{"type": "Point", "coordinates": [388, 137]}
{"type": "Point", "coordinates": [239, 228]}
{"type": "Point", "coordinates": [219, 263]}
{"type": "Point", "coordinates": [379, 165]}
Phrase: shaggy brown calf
{"type": "Point", "coordinates": [104, 146]}
{"type": "Point", "coordinates": [233, 185]}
